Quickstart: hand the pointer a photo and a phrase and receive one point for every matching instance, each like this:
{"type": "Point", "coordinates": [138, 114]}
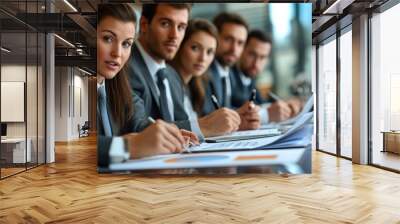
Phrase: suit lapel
{"type": "Point", "coordinates": [115, 129]}
{"type": "Point", "coordinates": [216, 81]}
{"type": "Point", "coordinates": [140, 65]}
{"type": "Point", "coordinates": [236, 76]}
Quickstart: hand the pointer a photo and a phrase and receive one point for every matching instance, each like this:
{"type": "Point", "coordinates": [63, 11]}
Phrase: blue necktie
{"type": "Point", "coordinates": [166, 116]}
{"type": "Point", "coordinates": [101, 100]}
{"type": "Point", "coordinates": [224, 101]}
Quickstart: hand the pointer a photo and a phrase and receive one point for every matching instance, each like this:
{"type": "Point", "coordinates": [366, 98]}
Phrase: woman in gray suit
{"type": "Point", "coordinates": [124, 132]}
{"type": "Point", "coordinates": [195, 55]}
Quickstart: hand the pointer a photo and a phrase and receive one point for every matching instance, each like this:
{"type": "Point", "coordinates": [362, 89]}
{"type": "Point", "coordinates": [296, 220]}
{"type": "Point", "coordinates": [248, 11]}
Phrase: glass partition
{"type": "Point", "coordinates": [22, 87]}
{"type": "Point", "coordinates": [31, 100]}
{"type": "Point", "coordinates": [327, 96]}
{"type": "Point", "coordinates": [14, 145]}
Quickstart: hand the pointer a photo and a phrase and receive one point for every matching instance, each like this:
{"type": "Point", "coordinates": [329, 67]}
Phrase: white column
{"type": "Point", "coordinates": [360, 90]}
{"type": "Point", "coordinates": [50, 100]}
{"type": "Point", "coordinates": [50, 92]}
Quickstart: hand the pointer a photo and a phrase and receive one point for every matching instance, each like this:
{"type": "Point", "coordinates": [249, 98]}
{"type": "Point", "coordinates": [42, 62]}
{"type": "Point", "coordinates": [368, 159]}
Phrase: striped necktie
{"type": "Point", "coordinates": [161, 75]}
{"type": "Point", "coordinates": [101, 100]}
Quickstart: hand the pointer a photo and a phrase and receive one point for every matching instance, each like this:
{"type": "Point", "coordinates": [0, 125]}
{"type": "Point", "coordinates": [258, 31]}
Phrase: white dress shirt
{"type": "Point", "coordinates": [187, 103]}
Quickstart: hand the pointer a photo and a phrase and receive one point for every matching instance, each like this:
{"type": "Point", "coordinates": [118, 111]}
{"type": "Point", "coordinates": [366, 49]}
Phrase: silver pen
{"type": "Point", "coordinates": [187, 148]}
{"type": "Point", "coordinates": [151, 120]}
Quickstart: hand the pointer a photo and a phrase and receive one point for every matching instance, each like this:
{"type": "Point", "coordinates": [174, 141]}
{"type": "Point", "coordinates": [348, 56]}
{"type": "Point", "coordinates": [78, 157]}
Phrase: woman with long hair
{"type": "Point", "coordinates": [192, 60]}
{"type": "Point", "coordinates": [123, 130]}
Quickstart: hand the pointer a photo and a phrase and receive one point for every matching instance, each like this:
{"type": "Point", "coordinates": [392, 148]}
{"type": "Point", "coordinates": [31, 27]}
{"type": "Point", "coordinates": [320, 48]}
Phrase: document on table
{"type": "Point", "coordinates": [286, 157]}
{"type": "Point", "coordinates": [308, 107]}
{"type": "Point", "coordinates": [243, 135]}
{"type": "Point", "coordinates": [298, 135]}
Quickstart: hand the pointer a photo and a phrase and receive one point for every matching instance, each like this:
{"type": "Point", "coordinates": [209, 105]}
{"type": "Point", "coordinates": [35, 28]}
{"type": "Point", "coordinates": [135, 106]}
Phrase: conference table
{"type": "Point", "coordinates": [279, 161]}
{"type": "Point", "coordinates": [280, 149]}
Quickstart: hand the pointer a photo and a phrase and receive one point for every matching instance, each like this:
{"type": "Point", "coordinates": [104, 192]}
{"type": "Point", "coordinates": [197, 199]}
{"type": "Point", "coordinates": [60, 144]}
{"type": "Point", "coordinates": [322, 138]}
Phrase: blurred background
{"type": "Point", "coordinates": [288, 72]}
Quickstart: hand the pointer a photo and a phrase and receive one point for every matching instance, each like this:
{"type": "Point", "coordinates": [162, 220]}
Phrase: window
{"type": "Point", "coordinates": [385, 84]}
{"type": "Point", "coordinates": [346, 94]}
{"type": "Point", "coordinates": [327, 96]}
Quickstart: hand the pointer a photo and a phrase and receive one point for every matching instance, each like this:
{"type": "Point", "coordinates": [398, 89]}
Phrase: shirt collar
{"type": "Point", "coordinates": [245, 79]}
{"type": "Point", "coordinates": [223, 72]}
{"type": "Point", "coordinates": [151, 64]}
{"type": "Point", "coordinates": [101, 84]}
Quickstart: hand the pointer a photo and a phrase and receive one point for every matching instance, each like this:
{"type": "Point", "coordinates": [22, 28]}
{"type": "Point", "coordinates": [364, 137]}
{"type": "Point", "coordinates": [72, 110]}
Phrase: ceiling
{"type": "Point", "coordinates": [330, 15]}
{"type": "Point", "coordinates": [24, 21]}
{"type": "Point", "coordinates": [18, 17]}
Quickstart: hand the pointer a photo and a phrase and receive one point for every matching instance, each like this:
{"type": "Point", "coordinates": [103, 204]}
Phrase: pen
{"type": "Point", "coordinates": [252, 98]}
{"type": "Point", "coordinates": [151, 120]}
{"type": "Point", "coordinates": [187, 148]}
{"type": "Point", "coordinates": [253, 95]}
{"type": "Point", "coordinates": [274, 97]}
{"type": "Point", "coordinates": [215, 102]}
{"type": "Point", "coordinates": [188, 144]}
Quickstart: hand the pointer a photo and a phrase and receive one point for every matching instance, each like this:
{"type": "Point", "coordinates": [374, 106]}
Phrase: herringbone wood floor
{"type": "Point", "coordinates": [71, 191]}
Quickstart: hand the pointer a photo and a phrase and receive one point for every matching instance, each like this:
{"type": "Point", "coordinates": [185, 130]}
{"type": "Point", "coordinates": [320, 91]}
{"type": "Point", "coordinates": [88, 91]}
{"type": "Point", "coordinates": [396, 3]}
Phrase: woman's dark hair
{"type": "Point", "coordinates": [119, 92]}
{"type": "Point", "coordinates": [196, 84]}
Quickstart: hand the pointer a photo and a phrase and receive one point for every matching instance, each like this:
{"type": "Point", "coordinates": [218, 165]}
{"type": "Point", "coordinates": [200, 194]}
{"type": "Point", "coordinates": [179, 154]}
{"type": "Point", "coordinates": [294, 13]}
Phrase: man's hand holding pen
{"type": "Point", "coordinates": [250, 118]}
{"type": "Point", "coordinates": [281, 110]}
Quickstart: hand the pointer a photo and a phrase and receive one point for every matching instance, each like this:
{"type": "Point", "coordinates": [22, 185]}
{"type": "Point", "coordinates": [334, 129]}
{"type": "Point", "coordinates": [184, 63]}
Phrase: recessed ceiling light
{"type": "Point", "coordinates": [64, 40]}
{"type": "Point", "coordinates": [5, 50]}
{"type": "Point", "coordinates": [70, 5]}
{"type": "Point", "coordinates": [84, 71]}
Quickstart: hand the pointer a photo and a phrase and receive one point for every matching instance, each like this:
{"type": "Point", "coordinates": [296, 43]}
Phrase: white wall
{"type": "Point", "coordinates": [33, 126]}
{"type": "Point", "coordinates": [81, 82]}
{"type": "Point", "coordinates": [71, 94]}
{"type": "Point", "coordinates": [61, 103]}
{"type": "Point", "coordinates": [17, 73]}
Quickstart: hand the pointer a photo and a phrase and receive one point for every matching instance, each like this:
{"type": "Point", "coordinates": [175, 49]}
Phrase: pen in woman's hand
{"type": "Point", "coordinates": [151, 120]}
{"type": "Point", "coordinates": [215, 102]}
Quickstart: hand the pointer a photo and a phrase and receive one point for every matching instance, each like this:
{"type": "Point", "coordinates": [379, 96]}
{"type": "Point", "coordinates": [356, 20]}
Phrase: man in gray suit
{"type": "Point", "coordinates": [232, 34]}
{"type": "Point", "coordinates": [243, 78]}
{"type": "Point", "coordinates": [162, 28]}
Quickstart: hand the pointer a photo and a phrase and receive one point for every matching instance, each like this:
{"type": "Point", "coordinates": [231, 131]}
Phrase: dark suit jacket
{"type": "Point", "coordinates": [213, 86]}
{"type": "Point", "coordinates": [138, 123]}
{"type": "Point", "coordinates": [144, 86]}
{"type": "Point", "coordinates": [240, 92]}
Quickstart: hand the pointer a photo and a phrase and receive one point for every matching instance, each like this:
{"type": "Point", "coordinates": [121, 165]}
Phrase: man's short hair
{"type": "Point", "coordinates": [227, 17]}
{"type": "Point", "coordinates": [149, 10]}
{"type": "Point", "coordinates": [259, 35]}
